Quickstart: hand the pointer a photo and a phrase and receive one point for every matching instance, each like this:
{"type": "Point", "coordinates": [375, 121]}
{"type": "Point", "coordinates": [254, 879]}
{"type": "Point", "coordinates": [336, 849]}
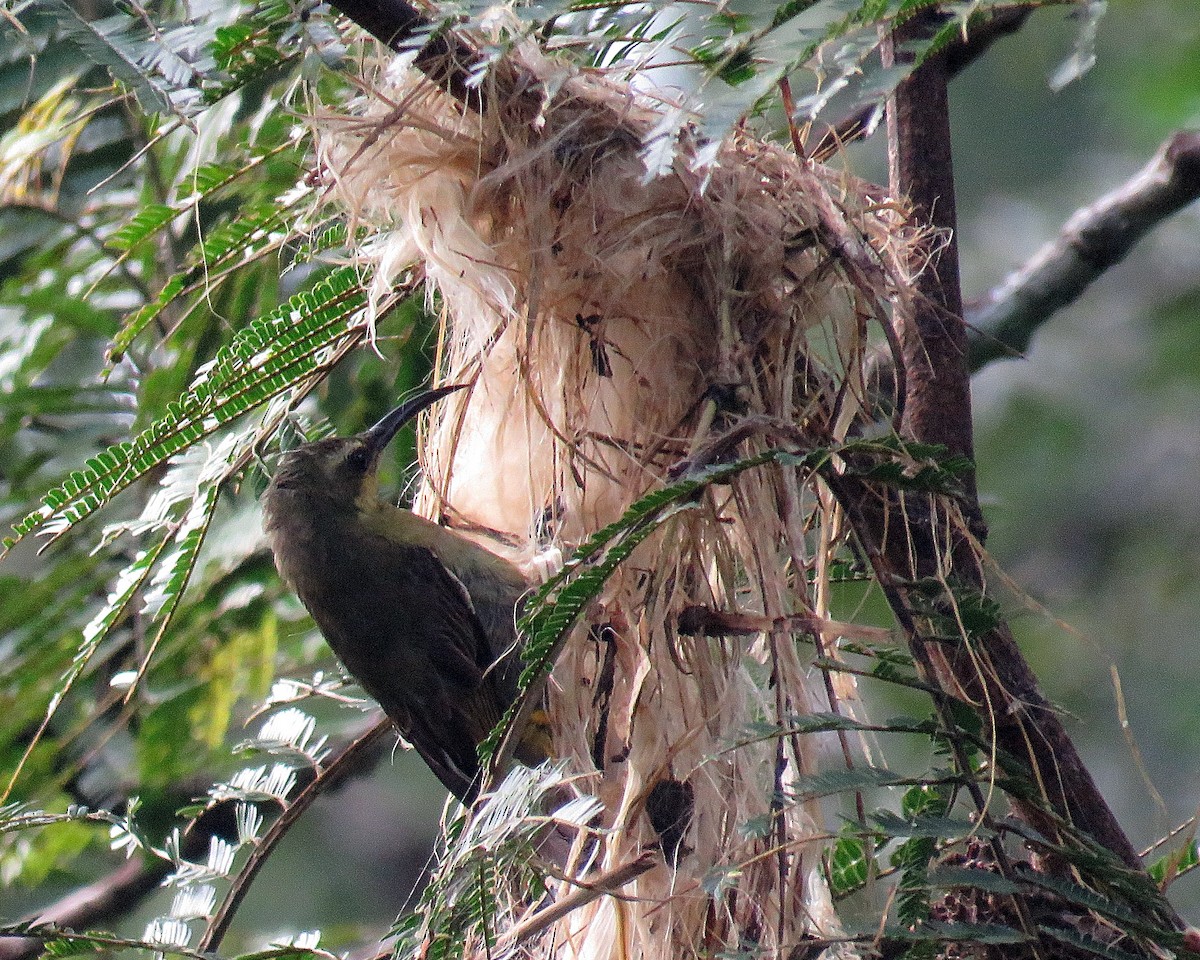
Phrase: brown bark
{"type": "Point", "coordinates": [926, 552]}
{"type": "Point", "coordinates": [932, 336]}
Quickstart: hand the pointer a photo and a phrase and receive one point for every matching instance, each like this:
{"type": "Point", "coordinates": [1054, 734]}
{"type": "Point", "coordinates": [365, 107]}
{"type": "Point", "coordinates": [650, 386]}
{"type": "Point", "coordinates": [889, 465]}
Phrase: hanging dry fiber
{"type": "Point", "coordinates": [612, 326]}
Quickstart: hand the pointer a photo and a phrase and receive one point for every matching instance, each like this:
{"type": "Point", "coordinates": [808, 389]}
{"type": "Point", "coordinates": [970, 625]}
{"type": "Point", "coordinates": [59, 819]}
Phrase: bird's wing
{"type": "Point", "coordinates": [405, 629]}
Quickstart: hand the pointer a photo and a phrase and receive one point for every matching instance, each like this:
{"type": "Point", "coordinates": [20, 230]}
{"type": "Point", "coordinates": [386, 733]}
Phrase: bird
{"type": "Point", "coordinates": [421, 616]}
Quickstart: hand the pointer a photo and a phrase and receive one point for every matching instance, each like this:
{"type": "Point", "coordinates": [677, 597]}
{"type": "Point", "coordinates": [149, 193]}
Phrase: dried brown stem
{"type": "Point", "coordinates": [606, 884]}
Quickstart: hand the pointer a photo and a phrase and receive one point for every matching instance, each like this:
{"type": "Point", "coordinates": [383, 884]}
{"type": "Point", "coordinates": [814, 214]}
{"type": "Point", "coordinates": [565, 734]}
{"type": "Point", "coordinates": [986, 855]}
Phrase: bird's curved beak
{"type": "Point", "coordinates": [380, 435]}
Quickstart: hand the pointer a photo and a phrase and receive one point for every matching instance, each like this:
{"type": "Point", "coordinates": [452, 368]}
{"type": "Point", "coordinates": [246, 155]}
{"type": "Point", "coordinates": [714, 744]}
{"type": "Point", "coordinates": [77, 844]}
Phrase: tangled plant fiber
{"type": "Point", "coordinates": [616, 326]}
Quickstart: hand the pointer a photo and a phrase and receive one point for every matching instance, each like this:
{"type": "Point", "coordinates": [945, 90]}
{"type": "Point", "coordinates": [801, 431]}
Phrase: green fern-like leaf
{"type": "Point", "coordinates": [951, 878]}
{"type": "Point", "coordinates": [555, 607]}
{"type": "Point", "coordinates": [255, 232]}
{"type": "Point", "coordinates": [993, 934]}
{"type": "Point", "coordinates": [1082, 897]}
{"type": "Point", "coordinates": [117, 43]}
{"type": "Point", "coordinates": [331, 238]}
{"type": "Point", "coordinates": [488, 857]}
{"type": "Point", "coordinates": [270, 356]}
{"type": "Point", "coordinates": [129, 585]}
{"type": "Point", "coordinates": [68, 943]}
{"type": "Point", "coordinates": [829, 782]}
{"type": "Point", "coordinates": [242, 238]}
{"type": "Point", "coordinates": [204, 184]}
{"type": "Point", "coordinates": [169, 581]}
{"type": "Point", "coordinates": [1088, 944]}
{"type": "Point", "coordinates": [61, 948]}
{"type": "Point", "coordinates": [812, 723]}
{"type": "Point", "coordinates": [251, 50]}
{"type": "Point", "coordinates": [848, 865]}
{"type": "Point", "coordinates": [145, 223]}
{"type": "Point", "coordinates": [912, 858]}
{"type": "Point", "coordinates": [926, 826]}
{"type": "Point", "coordinates": [1175, 864]}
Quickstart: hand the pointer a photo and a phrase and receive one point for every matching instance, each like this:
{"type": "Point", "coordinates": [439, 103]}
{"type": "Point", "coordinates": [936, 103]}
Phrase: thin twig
{"type": "Point", "coordinates": [51, 932]}
{"type": "Point", "coordinates": [1002, 324]}
{"type": "Point", "coordinates": [111, 896]}
{"type": "Point", "coordinates": [592, 889]}
{"type": "Point", "coordinates": [331, 775]}
{"type": "Point", "coordinates": [118, 893]}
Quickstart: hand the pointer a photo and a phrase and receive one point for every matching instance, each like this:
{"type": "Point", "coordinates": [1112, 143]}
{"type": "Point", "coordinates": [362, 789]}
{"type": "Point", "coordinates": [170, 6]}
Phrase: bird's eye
{"type": "Point", "coordinates": [358, 459]}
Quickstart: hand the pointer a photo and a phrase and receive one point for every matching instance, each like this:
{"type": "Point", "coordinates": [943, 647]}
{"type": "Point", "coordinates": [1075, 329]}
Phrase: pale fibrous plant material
{"type": "Point", "coordinates": [621, 327]}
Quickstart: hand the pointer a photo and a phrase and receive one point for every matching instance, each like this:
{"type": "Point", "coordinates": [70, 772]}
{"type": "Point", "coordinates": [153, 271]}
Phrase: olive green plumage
{"type": "Point", "coordinates": [422, 617]}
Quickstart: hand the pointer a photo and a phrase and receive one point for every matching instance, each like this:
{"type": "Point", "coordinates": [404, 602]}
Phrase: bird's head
{"type": "Point", "coordinates": [343, 470]}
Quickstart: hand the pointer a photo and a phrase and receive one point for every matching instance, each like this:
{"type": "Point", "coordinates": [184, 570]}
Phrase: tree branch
{"type": "Point", "coordinates": [933, 340]}
{"type": "Point", "coordinates": [121, 891]}
{"type": "Point", "coordinates": [443, 56]}
{"type": "Point", "coordinates": [353, 756]}
{"type": "Point", "coordinates": [1095, 238]}
{"type": "Point", "coordinates": [927, 553]}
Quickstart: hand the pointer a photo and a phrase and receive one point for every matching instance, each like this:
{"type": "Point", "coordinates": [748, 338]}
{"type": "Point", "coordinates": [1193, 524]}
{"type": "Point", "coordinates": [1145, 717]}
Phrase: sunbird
{"type": "Point", "coordinates": [421, 616]}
